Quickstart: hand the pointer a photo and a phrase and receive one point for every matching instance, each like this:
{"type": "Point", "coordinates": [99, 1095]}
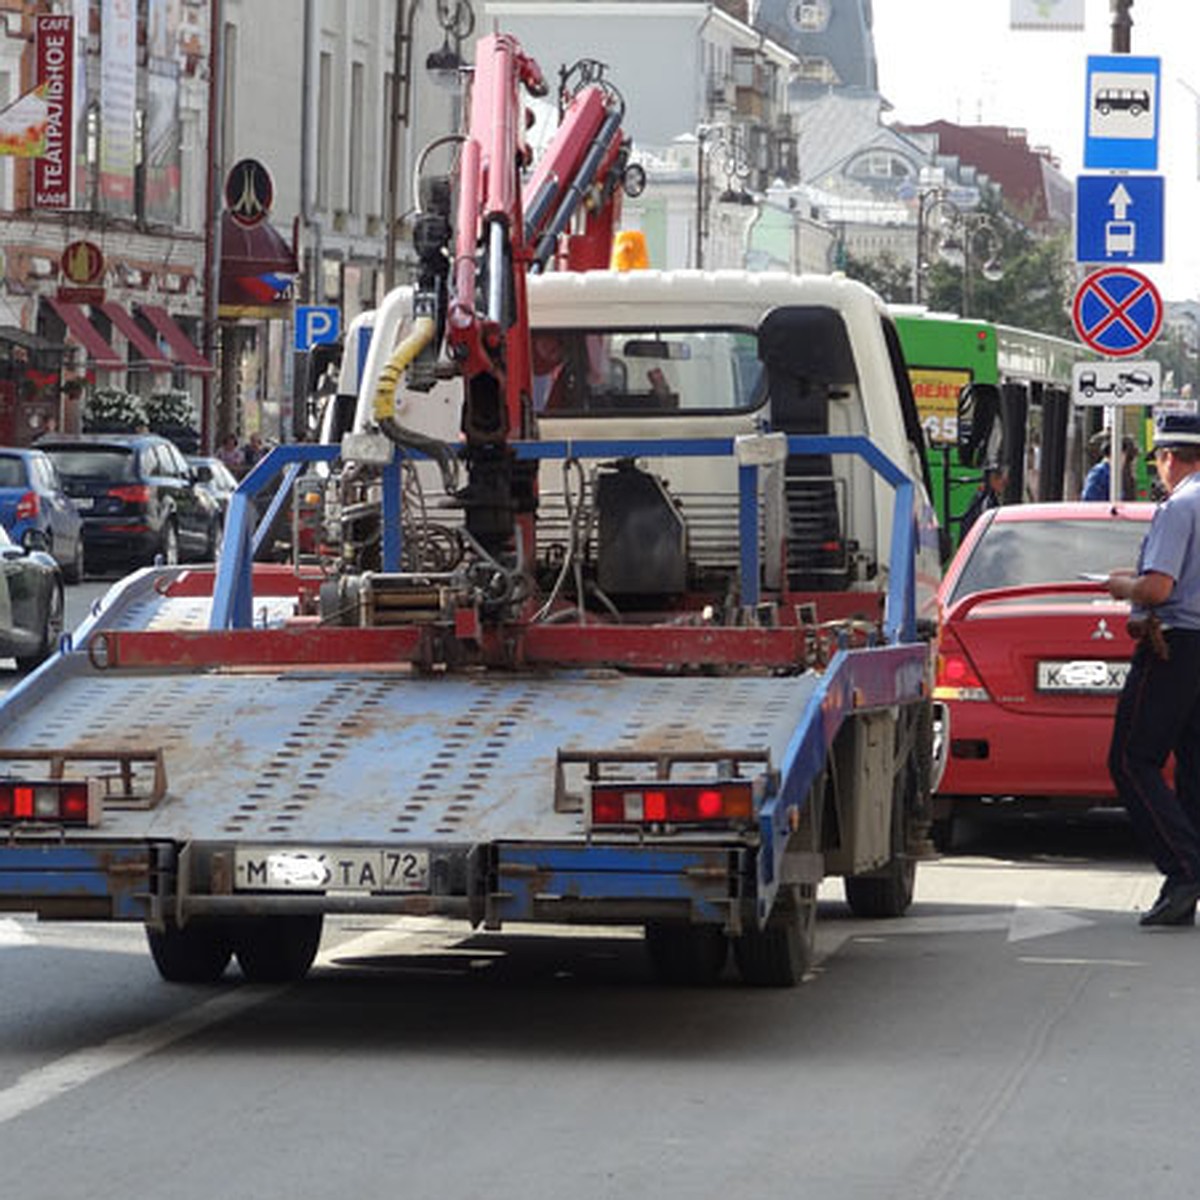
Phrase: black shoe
{"type": "Point", "coordinates": [1176, 905]}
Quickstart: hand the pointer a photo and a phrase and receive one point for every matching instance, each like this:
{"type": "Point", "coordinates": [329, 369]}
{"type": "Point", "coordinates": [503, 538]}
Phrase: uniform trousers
{"type": "Point", "coordinates": [1158, 713]}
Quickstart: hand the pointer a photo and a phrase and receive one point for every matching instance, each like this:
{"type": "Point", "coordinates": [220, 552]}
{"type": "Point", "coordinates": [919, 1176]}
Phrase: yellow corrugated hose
{"type": "Point", "coordinates": [421, 335]}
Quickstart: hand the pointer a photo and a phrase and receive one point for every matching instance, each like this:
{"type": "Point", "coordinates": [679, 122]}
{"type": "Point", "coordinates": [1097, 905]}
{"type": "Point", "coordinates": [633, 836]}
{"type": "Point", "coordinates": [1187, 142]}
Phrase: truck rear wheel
{"type": "Point", "coordinates": [781, 954]}
{"type": "Point", "coordinates": [888, 892]}
{"type": "Point", "coordinates": [197, 953]}
{"type": "Point", "coordinates": [277, 949]}
{"type": "Point", "coordinates": [686, 954]}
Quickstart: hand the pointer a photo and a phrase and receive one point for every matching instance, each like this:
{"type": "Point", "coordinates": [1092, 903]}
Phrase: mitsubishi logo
{"type": "Point", "coordinates": [1102, 632]}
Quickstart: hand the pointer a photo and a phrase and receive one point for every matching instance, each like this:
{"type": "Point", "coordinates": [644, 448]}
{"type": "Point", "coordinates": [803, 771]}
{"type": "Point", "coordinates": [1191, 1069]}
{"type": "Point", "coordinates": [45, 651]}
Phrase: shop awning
{"type": "Point", "coordinates": [185, 354]}
{"type": "Point", "coordinates": [146, 347]}
{"type": "Point", "coordinates": [257, 270]}
{"type": "Point", "coordinates": [86, 334]}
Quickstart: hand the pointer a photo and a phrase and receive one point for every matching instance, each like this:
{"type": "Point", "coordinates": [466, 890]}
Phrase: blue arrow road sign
{"type": "Point", "coordinates": [316, 324]}
{"type": "Point", "coordinates": [1119, 218]}
{"type": "Point", "coordinates": [1117, 311]}
{"type": "Point", "coordinates": [1121, 118]}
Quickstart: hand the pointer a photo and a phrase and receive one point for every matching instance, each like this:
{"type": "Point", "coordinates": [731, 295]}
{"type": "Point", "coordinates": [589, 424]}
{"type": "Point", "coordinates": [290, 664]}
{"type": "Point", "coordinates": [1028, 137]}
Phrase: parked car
{"type": "Point", "coordinates": [137, 496]}
{"type": "Point", "coordinates": [1032, 654]}
{"type": "Point", "coordinates": [37, 513]}
{"type": "Point", "coordinates": [215, 477]}
{"type": "Point", "coordinates": [31, 603]}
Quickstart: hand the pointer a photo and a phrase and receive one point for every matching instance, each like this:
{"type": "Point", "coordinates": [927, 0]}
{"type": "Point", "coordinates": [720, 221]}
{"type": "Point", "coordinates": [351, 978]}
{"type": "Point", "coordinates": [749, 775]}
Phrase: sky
{"type": "Point", "coordinates": [958, 60]}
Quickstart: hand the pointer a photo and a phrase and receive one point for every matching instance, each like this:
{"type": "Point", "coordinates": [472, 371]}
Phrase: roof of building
{"type": "Point", "coordinates": [1032, 186]}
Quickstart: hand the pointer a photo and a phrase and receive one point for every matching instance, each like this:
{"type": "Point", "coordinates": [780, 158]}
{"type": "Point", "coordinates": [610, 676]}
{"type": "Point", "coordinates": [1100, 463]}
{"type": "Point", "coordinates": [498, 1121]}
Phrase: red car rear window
{"type": "Point", "coordinates": [1010, 554]}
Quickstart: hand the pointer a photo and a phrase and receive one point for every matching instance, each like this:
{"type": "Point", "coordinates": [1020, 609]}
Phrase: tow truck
{"type": "Point", "coordinates": [644, 641]}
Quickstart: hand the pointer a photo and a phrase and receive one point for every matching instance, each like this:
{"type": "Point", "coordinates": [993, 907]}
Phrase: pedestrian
{"type": "Point", "coordinates": [252, 451]}
{"type": "Point", "coordinates": [229, 452]}
{"type": "Point", "coordinates": [1158, 712]}
{"type": "Point", "coordinates": [989, 494]}
{"type": "Point", "coordinates": [1096, 485]}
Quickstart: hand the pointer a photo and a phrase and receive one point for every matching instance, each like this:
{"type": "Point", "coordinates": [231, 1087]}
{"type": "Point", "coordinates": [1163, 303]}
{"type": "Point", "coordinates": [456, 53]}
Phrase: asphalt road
{"type": "Point", "coordinates": [1016, 1035]}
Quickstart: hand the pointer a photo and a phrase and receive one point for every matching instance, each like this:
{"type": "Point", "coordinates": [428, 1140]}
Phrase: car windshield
{"type": "Point", "coordinates": [112, 464]}
{"type": "Point", "coordinates": [1016, 553]}
{"type": "Point", "coordinates": [12, 471]}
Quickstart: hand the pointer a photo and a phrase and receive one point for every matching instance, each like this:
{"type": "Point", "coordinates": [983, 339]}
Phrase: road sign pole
{"type": "Point", "coordinates": [1114, 461]}
{"type": "Point", "coordinates": [1122, 26]}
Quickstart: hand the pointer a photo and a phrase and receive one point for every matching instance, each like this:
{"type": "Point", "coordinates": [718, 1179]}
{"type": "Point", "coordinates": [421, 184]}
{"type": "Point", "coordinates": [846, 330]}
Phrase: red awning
{"type": "Point", "coordinates": [257, 250]}
{"type": "Point", "coordinates": [257, 270]}
{"type": "Point", "coordinates": [185, 354]}
{"type": "Point", "coordinates": [86, 334]}
{"type": "Point", "coordinates": [139, 339]}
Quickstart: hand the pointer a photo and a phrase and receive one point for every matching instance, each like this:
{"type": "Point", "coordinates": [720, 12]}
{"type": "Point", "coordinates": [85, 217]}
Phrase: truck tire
{"type": "Point", "coordinates": [680, 954]}
{"type": "Point", "coordinates": [781, 954]}
{"type": "Point", "coordinates": [888, 892]}
{"type": "Point", "coordinates": [277, 949]}
{"type": "Point", "coordinates": [197, 953]}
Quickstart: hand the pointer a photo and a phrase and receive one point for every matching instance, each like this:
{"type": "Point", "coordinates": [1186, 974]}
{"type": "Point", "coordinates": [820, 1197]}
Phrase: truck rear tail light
{"type": "Point", "coordinates": [55, 802]}
{"type": "Point", "coordinates": [28, 506]}
{"type": "Point", "coordinates": [133, 493]}
{"type": "Point", "coordinates": [726, 803]}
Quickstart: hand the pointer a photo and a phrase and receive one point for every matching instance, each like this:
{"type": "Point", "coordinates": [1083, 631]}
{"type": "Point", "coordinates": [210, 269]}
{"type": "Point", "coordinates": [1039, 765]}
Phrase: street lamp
{"type": "Point", "coordinates": [718, 145]}
{"type": "Point", "coordinates": [959, 245]}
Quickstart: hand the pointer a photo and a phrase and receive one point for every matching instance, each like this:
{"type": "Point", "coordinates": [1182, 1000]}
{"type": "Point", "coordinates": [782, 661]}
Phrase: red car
{"type": "Point", "coordinates": [1032, 654]}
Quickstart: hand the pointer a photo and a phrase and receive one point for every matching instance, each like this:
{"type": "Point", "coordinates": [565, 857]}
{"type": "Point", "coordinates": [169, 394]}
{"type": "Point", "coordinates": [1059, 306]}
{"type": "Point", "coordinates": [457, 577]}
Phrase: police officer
{"type": "Point", "coordinates": [1158, 712]}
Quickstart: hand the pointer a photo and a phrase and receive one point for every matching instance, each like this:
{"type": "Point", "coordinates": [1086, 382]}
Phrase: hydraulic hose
{"type": "Point", "coordinates": [383, 406]}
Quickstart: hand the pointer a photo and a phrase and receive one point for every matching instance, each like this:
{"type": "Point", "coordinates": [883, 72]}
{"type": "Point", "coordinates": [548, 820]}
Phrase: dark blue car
{"type": "Point", "coordinates": [36, 511]}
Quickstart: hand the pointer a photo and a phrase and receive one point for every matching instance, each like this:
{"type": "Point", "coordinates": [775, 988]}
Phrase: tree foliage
{"type": "Point", "coordinates": [1034, 292]}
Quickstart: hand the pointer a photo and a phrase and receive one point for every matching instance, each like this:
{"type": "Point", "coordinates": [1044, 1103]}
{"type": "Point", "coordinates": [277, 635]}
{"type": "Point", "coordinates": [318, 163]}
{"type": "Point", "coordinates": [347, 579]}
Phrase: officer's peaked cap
{"type": "Point", "coordinates": [1176, 429]}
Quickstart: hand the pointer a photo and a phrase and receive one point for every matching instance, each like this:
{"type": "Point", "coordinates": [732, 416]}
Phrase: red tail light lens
{"type": "Point", "coordinates": [28, 506]}
{"type": "Point", "coordinates": [727, 803]}
{"type": "Point", "coordinates": [133, 493]}
{"type": "Point", "coordinates": [957, 678]}
{"type": "Point", "coordinates": [57, 802]}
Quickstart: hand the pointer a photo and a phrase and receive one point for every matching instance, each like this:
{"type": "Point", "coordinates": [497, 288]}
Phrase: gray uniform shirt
{"type": "Point", "coordinates": [1172, 547]}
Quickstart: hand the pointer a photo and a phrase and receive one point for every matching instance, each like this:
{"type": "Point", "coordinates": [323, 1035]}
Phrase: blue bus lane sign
{"type": "Point", "coordinates": [1119, 218]}
{"type": "Point", "coordinates": [1117, 311]}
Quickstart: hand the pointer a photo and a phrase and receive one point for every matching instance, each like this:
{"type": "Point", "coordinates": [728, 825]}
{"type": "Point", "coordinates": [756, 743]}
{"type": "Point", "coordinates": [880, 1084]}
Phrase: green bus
{"type": "Point", "coordinates": [993, 394]}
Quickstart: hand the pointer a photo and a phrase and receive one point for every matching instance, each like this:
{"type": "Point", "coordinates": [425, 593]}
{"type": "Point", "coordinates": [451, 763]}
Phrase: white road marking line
{"type": "Point", "coordinates": [13, 933]}
{"type": "Point", "coordinates": [39, 1086]}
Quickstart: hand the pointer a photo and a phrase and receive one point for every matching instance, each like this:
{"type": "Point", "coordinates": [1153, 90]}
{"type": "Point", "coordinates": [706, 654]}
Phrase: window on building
{"type": "Point", "coordinates": [810, 16]}
{"type": "Point", "coordinates": [324, 127]}
{"type": "Point", "coordinates": [229, 49]}
{"type": "Point", "coordinates": [818, 70]}
{"type": "Point", "coordinates": [356, 160]}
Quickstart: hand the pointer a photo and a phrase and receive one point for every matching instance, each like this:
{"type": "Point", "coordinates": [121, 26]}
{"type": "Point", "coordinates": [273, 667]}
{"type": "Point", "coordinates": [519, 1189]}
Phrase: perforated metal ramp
{"type": "Point", "coordinates": [342, 756]}
{"type": "Point", "coordinates": [330, 757]}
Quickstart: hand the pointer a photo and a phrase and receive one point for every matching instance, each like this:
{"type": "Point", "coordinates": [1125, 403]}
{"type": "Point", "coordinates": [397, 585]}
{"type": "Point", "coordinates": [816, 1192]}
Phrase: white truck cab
{"type": "Point", "coordinates": [687, 354]}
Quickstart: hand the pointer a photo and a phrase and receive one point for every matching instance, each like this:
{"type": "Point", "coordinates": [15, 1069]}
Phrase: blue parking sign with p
{"type": "Point", "coordinates": [317, 324]}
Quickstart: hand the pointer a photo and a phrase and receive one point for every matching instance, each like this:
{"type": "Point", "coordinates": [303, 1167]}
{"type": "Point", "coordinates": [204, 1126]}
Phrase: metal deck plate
{"type": "Point", "coordinates": [346, 757]}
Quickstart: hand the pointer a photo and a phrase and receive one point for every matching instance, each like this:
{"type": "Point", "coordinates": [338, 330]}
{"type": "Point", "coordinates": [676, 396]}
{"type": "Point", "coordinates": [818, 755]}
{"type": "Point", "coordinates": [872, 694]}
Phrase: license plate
{"type": "Point", "coordinates": [330, 869]}
{"type": "Point", "coordinates": [1093, 676]}
{"type": "Point", "coordinates": [84, 502]}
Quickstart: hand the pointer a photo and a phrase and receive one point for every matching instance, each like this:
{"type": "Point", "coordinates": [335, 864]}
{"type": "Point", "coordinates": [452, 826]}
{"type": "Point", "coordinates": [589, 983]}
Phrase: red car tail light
{"type": "Point", "coordinates": [726, 803]}
{"type": "Point", "coordinates": [28, 506]}
{"type": "Point", "coordinates": [54, 802]}
{"type": "Point", "coordinates": [957, 678]}
{"type": "Point", "coordinates": [132, 493]}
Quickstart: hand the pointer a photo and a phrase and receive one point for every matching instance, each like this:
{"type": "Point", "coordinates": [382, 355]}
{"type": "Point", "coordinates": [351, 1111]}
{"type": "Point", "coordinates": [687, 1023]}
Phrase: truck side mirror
{"type": "Point", "coordinates": [978, 423]}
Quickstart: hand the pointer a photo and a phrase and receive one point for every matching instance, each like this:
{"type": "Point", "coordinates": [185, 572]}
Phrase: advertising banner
{"type": "Point", "coordinates": [55, 38]}
{"type": "Point", "coordinates": [162, 150]}
{"type": "Point", "coordinates": [1047, 14]}
{"type": "Point", "coordinates": [118, 103]}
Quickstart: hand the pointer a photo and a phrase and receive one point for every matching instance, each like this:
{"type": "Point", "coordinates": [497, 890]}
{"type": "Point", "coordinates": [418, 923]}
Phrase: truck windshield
{"type": "Point", "coordinates": [634, 371]}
